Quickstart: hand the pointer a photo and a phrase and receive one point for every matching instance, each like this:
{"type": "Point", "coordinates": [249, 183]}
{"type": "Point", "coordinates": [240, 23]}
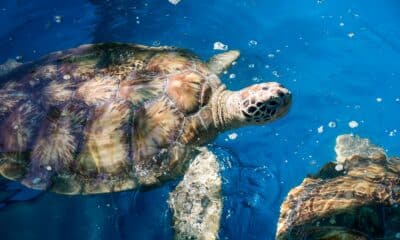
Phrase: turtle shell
{"type": "Point", "coordinates": [356, 197]}
{"type": "Point", "coordinates": [100, 118]}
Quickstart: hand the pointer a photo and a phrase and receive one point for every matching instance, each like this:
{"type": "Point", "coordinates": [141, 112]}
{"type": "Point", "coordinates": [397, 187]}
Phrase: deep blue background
{"type": "Point", "coordinates": [333, 77]}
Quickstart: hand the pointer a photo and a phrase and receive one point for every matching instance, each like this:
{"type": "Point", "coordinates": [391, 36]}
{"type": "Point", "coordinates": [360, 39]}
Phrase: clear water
{"type": "Point", "coordinates": [339, 58]}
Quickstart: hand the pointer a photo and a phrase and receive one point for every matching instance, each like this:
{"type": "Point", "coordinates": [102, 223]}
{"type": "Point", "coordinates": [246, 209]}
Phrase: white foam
{"type": "Point", "coordinates": [339, 167]}
{"type": "Point", "coordinates": [174, 1]}
{"type": "Point", "coordinates": [220, 46]}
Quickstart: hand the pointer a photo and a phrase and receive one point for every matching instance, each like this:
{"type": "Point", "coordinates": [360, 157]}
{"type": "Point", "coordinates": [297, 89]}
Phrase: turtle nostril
{"type": "Point", "coordinates": [281, 94]}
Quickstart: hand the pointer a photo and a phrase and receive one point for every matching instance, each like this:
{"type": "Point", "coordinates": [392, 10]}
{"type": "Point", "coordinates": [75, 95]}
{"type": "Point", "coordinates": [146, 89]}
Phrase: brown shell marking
{"type": "Point", "coordinates": [170, 62]}
{"type": "Point", "coordinates": [59, 91]}
{"type": "Point", "coordinates": [56, 144]}
{"type": "Point", "coordinates": [98, 89]}
{"type": "Point", "coordinates": [137, 88]}
{"type": "Point", "coordinates": [155, 128]}
{"type": "Point", "coordinates": [198, 128]}
{"type": "Point", "coordinates": [106, 148]}
{"type": "Point", "coordinates": [10, 96]}
{"type": "Point", "coordinates": [19, 129]}
{"type": "Point", "coordinates": [17, 133]}
{"type": "Point", "coordinates": [186, 84]}
{"type": "Point", "coordinates": [187, 89]}
{"type": "Point", "coordinates": [59, 137]}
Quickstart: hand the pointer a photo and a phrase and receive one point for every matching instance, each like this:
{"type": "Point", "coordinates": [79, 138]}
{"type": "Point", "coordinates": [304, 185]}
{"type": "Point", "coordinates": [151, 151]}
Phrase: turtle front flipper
{"type": "Point", "coordinates": [220, 62]}
{"type": "Point", "coordinates": [196, 202]}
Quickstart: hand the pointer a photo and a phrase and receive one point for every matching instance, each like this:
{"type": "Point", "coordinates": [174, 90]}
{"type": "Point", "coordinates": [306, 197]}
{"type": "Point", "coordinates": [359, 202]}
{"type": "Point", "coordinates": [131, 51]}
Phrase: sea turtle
{"type": "Point", "coordinates": [355, 198]}
{"type": "Point", "coordinates": [111, 117]}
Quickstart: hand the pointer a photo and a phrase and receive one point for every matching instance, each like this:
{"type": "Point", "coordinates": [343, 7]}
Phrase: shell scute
{"type": "Point", "coordinates": [141, 87]}
{"type": "Point", "coordinates": [156, 127]}
{"type": "Point", "coordinates": [184, 89]}
{"type": "Point", "coordinates": [168, 62]}
{"type": "Point", "coordinates": [107, 134]}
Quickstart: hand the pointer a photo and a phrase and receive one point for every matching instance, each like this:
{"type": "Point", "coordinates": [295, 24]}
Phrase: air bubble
{"type": "Point", "coordinates": [353, 124]}
{"type": "Point", "coordinates": [57, 19]}
{"type": "Point", "coordinates": [351, 34]}
{"type": "Point", "coordinates": [156, 43]}
{"type": "Point", "coordinates": [275, 73]}
{"type": "Point", "coordinates": [253, 43]}
{"type": "Point", "coordinates": [393, 133]}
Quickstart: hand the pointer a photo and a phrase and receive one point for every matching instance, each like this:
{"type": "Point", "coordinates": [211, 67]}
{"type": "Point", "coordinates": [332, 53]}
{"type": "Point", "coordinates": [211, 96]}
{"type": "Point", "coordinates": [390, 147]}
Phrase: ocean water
{"type": "Point", "coordinates": [339, 58]}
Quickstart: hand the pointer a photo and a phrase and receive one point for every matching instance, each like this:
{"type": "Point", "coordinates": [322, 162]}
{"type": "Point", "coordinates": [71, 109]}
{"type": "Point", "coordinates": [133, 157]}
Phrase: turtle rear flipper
{"type": "Point", "coordinates": [196, 202]}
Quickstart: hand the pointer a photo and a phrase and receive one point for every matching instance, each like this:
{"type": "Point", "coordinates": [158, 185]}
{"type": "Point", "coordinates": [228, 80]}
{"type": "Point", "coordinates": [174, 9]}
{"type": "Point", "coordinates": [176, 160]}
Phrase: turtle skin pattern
{"type": "Point", "coordinates": [103, 117]}
{"type": "Point", "coordinates": [354, 198]}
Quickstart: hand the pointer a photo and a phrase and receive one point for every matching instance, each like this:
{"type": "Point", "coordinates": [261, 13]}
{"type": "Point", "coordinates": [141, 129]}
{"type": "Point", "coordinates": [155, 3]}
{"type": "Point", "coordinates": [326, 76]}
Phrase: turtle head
{"type": "Point", "coordinates": [254, 105]}
{"type": "Point", "coordinates": [264, 102]}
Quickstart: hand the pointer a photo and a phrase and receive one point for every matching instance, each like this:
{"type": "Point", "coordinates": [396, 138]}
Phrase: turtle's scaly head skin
{"type": "Point", "coordinates": [254, 105]}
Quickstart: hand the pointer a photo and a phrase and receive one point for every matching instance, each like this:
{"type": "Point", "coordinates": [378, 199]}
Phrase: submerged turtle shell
{"type": "Point", "coordinates": [102, 117]}
{"type": "Point", "coordinates": [355, 198]}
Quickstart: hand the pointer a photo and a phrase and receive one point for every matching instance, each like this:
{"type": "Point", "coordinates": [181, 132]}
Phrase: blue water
{"type": "Point", "coordinates": [339, 58]}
